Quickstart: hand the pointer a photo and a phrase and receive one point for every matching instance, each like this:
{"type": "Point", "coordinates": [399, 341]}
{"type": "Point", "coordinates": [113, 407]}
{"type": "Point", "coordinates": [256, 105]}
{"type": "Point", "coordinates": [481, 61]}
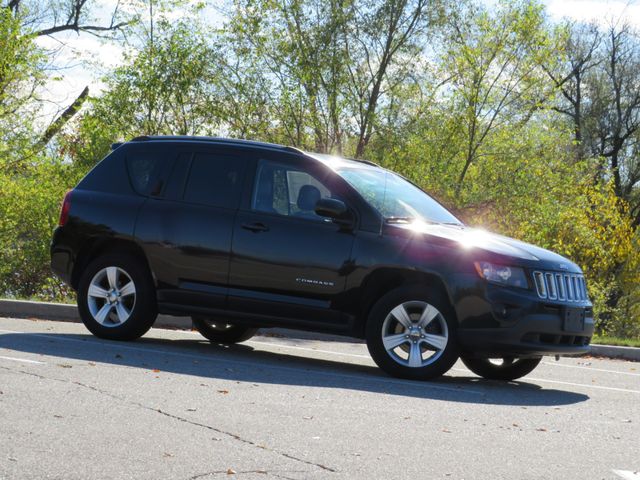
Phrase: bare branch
{"type": "Point", "coordinates": [80, 28]}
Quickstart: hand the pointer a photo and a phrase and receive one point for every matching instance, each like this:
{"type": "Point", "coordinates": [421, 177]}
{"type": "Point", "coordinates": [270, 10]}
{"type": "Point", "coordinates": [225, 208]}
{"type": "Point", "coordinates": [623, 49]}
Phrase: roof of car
{"type": "Point", "coordinates": [327, 159]}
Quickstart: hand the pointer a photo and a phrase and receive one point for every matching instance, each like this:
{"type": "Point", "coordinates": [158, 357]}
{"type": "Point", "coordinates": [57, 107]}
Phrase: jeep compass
{"type": "Point", "coordinates": [243, 235]}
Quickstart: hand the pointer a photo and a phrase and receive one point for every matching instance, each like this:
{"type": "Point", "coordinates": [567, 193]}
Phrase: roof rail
{"type": "Point", "coordinates": [231, 141]}
{"type": "Point", "coordinates": [294, 149]}
{"type": "Point", "coordinates": [368, 162]}
{"type": "Point", "coordinates": [325, 156]}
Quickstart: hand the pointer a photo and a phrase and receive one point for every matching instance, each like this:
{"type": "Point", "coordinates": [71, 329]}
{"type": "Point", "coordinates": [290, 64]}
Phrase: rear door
{"type": "Point", "coordinates": [187, 232]}
{"type": "Point", "coordinates": [287, 262]}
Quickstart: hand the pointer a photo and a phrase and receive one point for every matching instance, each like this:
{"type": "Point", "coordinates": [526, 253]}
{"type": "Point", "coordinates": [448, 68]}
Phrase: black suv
{"type": "Point", "coordinates": [243, 235]}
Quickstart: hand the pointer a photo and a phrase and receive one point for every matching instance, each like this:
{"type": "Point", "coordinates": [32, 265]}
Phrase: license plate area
{"type": "Point", "coordinates": [573, 320]}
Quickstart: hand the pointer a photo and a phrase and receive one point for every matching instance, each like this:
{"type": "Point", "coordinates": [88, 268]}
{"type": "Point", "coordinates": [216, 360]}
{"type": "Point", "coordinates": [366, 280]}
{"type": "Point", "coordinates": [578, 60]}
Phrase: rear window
{"type": "Point", "coordinates": [148, 170]}
{"type": "Point", "coordinates": [215, 180]}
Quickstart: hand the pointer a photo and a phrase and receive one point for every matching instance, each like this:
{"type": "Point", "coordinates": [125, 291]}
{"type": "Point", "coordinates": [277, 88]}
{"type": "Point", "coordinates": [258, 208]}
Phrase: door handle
{"type": "Point", "coordinates": [255, 227]}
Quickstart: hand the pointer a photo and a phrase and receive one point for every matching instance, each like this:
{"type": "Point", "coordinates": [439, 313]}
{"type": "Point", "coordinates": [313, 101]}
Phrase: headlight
{"type": "Point", "coordinates": [502, 274]}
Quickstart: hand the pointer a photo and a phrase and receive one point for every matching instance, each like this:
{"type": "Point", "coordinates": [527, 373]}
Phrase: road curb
{"type": "Point", "coordinates": [611, 351]}
{"type": "Point", "coordinates": [69, 313]}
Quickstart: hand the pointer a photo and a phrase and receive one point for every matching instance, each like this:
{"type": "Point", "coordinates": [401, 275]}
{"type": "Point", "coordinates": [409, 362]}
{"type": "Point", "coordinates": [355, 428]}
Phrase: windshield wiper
{"type": "Point", "coordinates": [407, 220]}
{"type": "Point", "coordinates": [399, 219]}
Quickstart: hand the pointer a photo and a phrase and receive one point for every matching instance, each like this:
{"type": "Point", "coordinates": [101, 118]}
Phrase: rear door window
{"type": "Point", "coordinates": [216, 180]}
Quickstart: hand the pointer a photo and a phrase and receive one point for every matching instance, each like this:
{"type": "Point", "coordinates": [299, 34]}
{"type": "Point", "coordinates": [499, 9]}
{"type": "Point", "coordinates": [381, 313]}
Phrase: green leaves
{"type": "Point", "coordinates": [21, 74]}
{"type": "Point", "coordinates": [167, 88]}
{"type": "Point", "coordinates": [493, 59]}
{"type": "Point", "coordinates": [29, 208]}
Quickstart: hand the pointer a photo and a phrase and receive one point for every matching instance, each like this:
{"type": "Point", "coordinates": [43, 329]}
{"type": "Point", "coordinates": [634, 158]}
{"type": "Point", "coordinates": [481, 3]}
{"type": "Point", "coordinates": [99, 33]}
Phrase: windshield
{"type": "Point", "coordinates": [394, 197]}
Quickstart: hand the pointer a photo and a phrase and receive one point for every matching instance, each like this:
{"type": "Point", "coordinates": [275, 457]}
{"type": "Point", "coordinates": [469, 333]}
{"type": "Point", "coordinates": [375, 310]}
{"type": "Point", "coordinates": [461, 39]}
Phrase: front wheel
{"type": "Point", "coordinates": [217, 331]}
{"type": "Point", "coordinates": [411, 333]}
{"type": "Point", "coordinates": [507, 368]}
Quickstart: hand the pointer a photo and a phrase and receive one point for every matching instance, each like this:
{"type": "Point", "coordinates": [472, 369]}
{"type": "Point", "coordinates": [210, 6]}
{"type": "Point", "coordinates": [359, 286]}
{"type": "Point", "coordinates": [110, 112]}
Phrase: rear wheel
{"type": "Point", "coordinates": [506, 368]}
{"type": "Point", "coordinates": [116, 297]}
{"type": "Point", "coordinates": [217, 331]}
{"type": "Point", "coordinates": [411, 333]}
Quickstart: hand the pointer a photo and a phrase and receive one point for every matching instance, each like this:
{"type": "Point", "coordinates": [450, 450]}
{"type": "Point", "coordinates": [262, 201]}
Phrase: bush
{"type": "Point", "coordinates": [29, 208]}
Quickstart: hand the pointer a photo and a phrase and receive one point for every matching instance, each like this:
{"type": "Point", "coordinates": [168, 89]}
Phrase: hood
{"type": "Point", "coordinates": [478, 239]}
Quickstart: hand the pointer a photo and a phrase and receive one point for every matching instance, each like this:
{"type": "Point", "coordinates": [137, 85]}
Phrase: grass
{"type": "Point", "coordinates": [617, 341]}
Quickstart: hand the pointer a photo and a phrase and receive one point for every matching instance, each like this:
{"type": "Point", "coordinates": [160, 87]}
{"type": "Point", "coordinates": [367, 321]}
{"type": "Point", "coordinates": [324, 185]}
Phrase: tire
{"type": "Point", "coordinates": [510, 369]}
{"type": "Point", "coordinates": [222, 332]}
{"type": "Point", "coordinates": [411, 333]}
{"type": "Point", "coordinates": [117, 297]}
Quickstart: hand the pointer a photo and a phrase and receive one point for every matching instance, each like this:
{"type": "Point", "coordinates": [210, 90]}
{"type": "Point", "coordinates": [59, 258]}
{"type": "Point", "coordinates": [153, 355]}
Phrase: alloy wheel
{"type": "Point", "coordinates": [111, 296]}
{"type": "Point", "coordinates": [415, 334]}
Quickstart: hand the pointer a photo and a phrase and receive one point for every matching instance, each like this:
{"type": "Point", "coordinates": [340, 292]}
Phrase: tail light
{"type": "Point", "coordinates": [64, 210]}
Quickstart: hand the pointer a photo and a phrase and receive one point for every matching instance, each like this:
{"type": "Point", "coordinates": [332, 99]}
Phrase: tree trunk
{"type": "Point", "coordinates": [58, 124]}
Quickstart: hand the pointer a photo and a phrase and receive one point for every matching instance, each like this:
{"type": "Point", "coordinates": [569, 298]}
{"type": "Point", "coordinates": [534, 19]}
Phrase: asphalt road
{"type": "Point", "coordinates": [173, 406]}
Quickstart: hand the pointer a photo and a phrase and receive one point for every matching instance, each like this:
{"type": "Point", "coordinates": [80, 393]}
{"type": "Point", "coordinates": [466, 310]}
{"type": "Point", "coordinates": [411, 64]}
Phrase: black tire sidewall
{"type": "Point", "coordinates": [485, 369]}
{"type": "Point", "coordinates": [145, 309]}
{"type": "Point", "coordinates": [379, 313]}
{"type": "Point", "coordinates": [234, 334]}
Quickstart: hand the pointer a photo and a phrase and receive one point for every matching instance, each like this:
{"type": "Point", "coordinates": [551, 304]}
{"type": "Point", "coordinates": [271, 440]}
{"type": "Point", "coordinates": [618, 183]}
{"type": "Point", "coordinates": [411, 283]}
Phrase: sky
{"type": "Point", "coordinates": [84, 58]}
{"type": "Point", "coordinates": [603, 11]}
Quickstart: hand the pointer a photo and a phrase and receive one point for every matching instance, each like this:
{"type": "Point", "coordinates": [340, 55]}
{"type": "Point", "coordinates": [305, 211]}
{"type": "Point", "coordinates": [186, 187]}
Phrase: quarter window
{"type": "Point", "coordinates": [148, 170]}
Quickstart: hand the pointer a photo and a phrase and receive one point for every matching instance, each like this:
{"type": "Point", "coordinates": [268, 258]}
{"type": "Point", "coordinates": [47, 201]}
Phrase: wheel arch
{"type": "Point", "coordinates": [98, 246]}
{"type": "Point", "coordinates": [383, 280]}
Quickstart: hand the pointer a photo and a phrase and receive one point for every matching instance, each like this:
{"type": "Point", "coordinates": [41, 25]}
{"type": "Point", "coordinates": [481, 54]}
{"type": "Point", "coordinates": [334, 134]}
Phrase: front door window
{"type": "Point", "coordinates": [288, 190]}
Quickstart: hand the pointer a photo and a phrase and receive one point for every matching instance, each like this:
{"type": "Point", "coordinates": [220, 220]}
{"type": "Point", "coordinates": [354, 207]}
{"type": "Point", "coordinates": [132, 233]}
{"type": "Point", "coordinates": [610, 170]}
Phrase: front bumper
{"type": "Point", "coordinates": [533, 336]}
{"type": "Point", "coordinates": [510, 322]}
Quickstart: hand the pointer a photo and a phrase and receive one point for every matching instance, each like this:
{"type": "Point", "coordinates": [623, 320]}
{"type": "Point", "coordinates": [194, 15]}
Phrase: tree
{"type": "Point", "coordinates": [21, 64]}
{"type": "Point", "coordinates": [601, 98]}
{"type": "Point", "coordinates": [580, 44]}
{"type": "Point", "coordinates": [24, 68]}
{"type": "Point", "coordinates": [340, 62]}
{"type": "Point", "coordinates": [494, 58]}
{"type": "Point", "coordinates": [382, 44]}
{"type": "Point", "coordinates": [164, 89]}
{"type": "Point", "coordinates": [617, 93]}
{"type": "Point", "coordinates": [48, 18]}
{"type": "Point", "coordinates": [289, 69]}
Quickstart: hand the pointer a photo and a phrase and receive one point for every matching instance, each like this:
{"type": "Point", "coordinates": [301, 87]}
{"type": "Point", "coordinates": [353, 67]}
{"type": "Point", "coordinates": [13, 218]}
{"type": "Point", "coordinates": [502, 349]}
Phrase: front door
{"type": "Point", "coordinates": [287, 262]}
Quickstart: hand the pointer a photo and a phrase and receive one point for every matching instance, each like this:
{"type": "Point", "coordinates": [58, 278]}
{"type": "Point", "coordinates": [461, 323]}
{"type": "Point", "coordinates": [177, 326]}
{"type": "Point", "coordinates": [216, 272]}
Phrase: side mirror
{"type": "Point", "coordinates": [334, 209]}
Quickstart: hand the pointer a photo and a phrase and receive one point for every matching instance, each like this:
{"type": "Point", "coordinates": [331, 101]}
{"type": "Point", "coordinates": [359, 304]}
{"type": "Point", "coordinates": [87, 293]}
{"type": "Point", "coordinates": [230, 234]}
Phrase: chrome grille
{"type": "Point", "coordinates": [567, 287]}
